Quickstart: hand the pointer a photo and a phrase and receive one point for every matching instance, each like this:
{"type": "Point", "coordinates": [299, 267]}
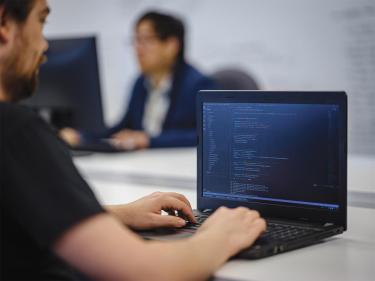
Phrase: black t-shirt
{"type": "Point", "coordinates": [42, 196]}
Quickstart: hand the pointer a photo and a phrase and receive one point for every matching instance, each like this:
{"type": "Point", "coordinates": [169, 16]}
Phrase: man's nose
{"type": "Point", "coordinates": [45, 45]}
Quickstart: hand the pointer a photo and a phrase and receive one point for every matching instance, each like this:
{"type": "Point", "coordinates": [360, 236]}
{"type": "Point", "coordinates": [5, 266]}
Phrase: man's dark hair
{"type": "Point", "coordinates": [17, 9]}
{"type": "Point", "coordinates": [166, 26]}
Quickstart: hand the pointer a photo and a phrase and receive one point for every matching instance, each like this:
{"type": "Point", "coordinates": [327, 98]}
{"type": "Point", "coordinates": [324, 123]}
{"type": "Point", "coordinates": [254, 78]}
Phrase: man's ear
{"type": "Point", "coordinates": [173, 45]}
{"type": "Point", "coordinates": [4, 26]}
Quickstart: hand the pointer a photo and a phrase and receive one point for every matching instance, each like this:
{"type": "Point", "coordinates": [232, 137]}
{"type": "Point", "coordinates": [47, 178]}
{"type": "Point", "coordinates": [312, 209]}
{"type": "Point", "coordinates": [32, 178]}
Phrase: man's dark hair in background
{"type": "Point", "coordinates": [166, 26]}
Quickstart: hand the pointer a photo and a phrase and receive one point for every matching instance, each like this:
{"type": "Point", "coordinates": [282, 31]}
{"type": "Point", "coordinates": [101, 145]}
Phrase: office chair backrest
{"type": "Point", "coordinates": [234, 79]}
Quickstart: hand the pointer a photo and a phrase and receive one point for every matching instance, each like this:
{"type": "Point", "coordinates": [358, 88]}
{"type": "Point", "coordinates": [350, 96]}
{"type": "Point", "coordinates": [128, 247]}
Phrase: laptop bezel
{"type": "Point", "coordinates": [309, 215]}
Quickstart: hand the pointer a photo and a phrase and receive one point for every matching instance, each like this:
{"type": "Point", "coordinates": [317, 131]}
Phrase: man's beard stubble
{"type": "Point", "coordinates": [19, 86]}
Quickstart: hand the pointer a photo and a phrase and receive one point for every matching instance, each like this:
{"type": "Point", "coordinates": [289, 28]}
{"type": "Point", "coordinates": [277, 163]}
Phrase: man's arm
{"type": "Point", "coordinates": [104, 249]}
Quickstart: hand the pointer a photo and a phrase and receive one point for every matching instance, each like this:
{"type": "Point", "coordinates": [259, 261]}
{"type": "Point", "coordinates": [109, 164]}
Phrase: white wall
{"type": "Point", "coordinates": [289, 44]}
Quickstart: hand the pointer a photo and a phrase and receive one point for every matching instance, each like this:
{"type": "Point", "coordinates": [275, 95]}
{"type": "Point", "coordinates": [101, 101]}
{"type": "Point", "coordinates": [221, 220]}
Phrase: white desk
{"type": "Point", "coordinates": [125, 177]}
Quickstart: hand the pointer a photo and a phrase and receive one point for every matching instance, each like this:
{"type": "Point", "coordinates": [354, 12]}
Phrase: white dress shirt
{"type": "Point", "coordinates": [156, 107]}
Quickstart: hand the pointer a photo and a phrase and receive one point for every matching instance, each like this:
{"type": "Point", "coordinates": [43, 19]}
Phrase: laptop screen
{"type": "Point", "coordinates": [271, 153]}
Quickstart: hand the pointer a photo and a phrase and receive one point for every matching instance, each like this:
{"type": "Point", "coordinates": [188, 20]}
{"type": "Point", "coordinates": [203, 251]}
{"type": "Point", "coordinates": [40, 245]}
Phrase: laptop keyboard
{"type": "Point", "coordinates": [285, 232]}
{"type": "Point", "coordinates": [275, 231]}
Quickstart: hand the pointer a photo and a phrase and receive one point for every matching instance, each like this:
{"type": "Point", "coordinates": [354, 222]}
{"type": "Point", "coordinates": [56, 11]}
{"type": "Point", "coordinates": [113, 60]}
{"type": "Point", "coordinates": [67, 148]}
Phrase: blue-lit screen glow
{"type": "Point", "coordinates": [270, 153]}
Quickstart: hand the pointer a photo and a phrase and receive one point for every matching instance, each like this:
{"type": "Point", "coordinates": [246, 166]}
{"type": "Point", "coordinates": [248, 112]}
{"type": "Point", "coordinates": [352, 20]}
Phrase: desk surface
{"type": "Point", "coordinates": [125, 177]}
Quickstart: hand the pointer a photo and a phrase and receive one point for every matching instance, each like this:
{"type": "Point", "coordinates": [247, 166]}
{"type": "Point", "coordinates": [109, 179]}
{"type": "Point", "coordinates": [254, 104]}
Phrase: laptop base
{"type": "Point", "coordinates": [265, 246]}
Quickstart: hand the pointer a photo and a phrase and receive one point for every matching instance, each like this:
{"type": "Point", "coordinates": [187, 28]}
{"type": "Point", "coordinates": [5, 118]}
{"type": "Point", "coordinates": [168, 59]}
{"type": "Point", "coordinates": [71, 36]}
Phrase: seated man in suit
{"type": "Point", "coordinates": [161, 112]}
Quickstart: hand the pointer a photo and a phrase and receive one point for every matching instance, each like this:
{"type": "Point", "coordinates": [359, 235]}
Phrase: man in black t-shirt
{"type": "Point", "coordinates": [52, 226]}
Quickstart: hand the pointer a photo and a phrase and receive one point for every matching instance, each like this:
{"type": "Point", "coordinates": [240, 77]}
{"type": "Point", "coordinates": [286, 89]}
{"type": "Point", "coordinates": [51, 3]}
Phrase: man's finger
{"type": "Point", "coordinates": [179, 196]}
{"type": "Point", "coordinates": [167, 221]}
{"type": "Point", "coordinates": [257, 228]}
{"type": "Point", "coordinates": [176, 204]}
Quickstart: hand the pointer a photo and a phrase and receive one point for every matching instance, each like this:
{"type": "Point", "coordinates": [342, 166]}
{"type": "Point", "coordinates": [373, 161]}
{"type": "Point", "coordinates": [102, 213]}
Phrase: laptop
{"type": "Point", "coordinates": [282, 153]}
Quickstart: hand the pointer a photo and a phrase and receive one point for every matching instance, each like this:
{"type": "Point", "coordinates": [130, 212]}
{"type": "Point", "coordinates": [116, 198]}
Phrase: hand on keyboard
{"type": "Point", "coordinates": [238, 227]}
{"type": "Point", "coordinates": [146, 213]}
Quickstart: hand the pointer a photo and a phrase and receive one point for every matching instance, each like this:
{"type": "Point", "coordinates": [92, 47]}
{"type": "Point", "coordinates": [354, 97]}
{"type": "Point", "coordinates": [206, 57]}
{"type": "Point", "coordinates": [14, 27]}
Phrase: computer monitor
{"type": "Point", "coordinates": [68, 94]}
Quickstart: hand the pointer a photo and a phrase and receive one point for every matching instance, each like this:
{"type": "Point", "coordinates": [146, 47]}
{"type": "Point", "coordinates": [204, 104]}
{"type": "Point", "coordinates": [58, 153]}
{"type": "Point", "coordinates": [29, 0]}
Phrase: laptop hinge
{"type": "Point", "coordinates": [299, 222]}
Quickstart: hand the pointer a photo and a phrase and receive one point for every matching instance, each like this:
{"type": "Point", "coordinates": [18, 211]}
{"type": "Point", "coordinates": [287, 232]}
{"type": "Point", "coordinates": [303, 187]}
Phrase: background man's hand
{"type": "Point", "coordinates": [70, 136]}
{"type": "Point", "coordinates": [146, 213]}
{"type": "Point", "coordinates": [130, 140]}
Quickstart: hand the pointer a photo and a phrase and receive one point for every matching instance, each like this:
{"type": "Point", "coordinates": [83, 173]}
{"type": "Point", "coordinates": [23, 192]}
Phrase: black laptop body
{"type": "Point", "coordinates": [281, 153]}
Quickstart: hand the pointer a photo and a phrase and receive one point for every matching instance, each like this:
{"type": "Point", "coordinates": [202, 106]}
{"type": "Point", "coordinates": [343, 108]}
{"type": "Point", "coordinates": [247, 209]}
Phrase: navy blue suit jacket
{"type": "Point", "coordinates": [179, 127]}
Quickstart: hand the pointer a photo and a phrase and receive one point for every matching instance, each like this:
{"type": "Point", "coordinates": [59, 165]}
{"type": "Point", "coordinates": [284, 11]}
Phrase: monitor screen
{"type": "Point", "coordinates": [69, 85]}
{"type": "Point", "coordinates": [271, 153]}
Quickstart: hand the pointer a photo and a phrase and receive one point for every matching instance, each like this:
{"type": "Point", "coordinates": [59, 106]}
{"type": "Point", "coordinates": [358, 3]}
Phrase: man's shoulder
{"type": "Point", "coordinates": [13, 116]}
{"type": "Point", "coordinates": [15, 110]}
{"type": "Point", "coordinates": [193, 72]}
{"type": "Point", "coordinates": [193, 77]}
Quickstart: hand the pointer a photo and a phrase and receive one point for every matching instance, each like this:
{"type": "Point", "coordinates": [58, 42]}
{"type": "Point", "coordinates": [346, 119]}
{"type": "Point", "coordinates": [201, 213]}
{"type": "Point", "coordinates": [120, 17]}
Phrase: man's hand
{"type": "Point", "coordinates": [146, 213]}
{"type": "Point", "coordinates": [70, 136]}
{"type": "Point", "coordinates": [238, 228]}
{"type": "Point", "coordinates": [130, 140]}
{"type": "Point", "coordinates": [104, 250]}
